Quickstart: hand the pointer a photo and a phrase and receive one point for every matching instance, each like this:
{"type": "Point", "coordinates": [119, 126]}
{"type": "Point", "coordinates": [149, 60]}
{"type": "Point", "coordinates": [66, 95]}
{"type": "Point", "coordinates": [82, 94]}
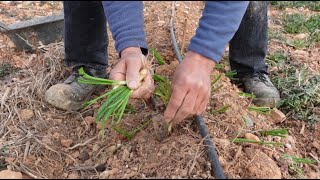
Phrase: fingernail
{"type": "Point", "coordinates": [132, 84]}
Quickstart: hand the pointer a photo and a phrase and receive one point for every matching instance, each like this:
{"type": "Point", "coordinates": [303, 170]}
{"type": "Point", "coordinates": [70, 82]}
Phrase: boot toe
{"type": "Point", "coordinates": [61, 96]}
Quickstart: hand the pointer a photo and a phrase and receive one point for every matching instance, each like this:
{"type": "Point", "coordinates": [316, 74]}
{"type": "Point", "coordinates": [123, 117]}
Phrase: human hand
{"type": "Point", "coordinates": [128, 69]}
{"type": "Point", "coordinates": [191, 88]}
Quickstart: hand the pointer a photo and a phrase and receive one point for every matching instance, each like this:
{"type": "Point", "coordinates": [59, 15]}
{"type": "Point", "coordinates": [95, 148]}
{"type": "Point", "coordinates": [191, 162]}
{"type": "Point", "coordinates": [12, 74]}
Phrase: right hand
{"type": "Point", "coordinates": [128, 69]}
{"type": "Point", "coordinates": [191, 87]}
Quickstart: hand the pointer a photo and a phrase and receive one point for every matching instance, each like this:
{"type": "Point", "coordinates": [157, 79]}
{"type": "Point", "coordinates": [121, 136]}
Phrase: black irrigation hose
{"type": "Point", "coordinates": [216, 167]}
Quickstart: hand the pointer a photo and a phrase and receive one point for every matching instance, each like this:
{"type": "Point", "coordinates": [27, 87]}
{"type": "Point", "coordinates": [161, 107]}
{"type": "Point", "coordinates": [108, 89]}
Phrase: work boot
{"type": "Point", "coordinates": [70, 95]}
{"type": "Point", "coordinates": [260, 85]}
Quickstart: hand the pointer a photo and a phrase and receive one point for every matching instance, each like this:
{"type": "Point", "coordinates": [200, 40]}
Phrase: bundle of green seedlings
{"type": "Point", "coordinates": [117, 98]}
{"type": "Point", "coordinates": [158, 56]}
{"type": "Point", "coordinates": [163, 88]}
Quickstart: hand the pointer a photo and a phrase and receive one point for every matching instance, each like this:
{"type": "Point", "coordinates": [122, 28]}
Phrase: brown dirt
{"type": "Point", "coordinates": [51, 143]}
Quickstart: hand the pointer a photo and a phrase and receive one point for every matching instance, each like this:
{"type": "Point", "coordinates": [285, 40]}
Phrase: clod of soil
{"type": "Point", "coordinates": [26, 114]}
{"type": "Point", "coordinates": [261, 166]}
{"type": "Point", "coordinates": [160, 127]}
{"type": "Point", "coordinates": [167, 69]}
{"type": "Point", "coordinates": [8, 174]}
{"type": "Point", "coordinates": [66, 142]}
{"type": "Point", "coordinates": [251, 137]}
{"type": "Point", "coordinates": [73, 175]}
{"type": "Point", "coordinates": [277, 116]}
{"type": "Point", "coordinates": [89, 120]}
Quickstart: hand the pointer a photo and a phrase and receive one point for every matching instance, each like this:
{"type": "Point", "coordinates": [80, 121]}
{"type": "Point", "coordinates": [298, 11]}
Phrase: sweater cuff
{"type": "Point", "coordinates": [141, 44]}
{"type": "Point", "coordinates": [206, 52]}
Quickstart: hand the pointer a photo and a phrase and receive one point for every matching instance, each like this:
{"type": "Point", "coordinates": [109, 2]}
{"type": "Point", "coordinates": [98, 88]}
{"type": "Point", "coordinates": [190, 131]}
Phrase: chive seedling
{"type": "Point", "coordinates": [117, 98]}
{"type": "Point", "coordinates": [157, 55]}
{"type": "Point", "coordinates": [261, 110]}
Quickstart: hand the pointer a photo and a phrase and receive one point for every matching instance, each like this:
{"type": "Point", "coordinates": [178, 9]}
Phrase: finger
{"type": "Point", "coordinates": [203, 94]}
{"type": "Point", "coordinates": [186, 107]}
{"type": "Point", "coordinates": [203, 104]}
{"type": "Point", "coordinates": [176, 99]}
{"type": "Point", "coordinates": [146, 89]}
{"type": "Point", "coordinates": [199, 99]}
{"type": "Point", "coordinates": [118, 72]}
{"type": "Point", "coordinates": [133, 72]}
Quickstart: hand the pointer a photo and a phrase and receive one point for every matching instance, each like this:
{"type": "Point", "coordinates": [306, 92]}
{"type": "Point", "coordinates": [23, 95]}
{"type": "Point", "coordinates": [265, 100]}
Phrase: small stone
{"type": "Point", "coordinates": [289, 146]}
{"type": "Point", "coordinates": [89, 120]}
{"type": "Point", "coordinates": [26, 114]}
{"type": "Point", "coordinates": [8, 174]}
{"type": "Point", "coordinates": [110, 150]}
{"type": "Point", "coordinates": [68, 161]}
{"type": "Point", "coordinates": [75, 154]}
{"type": "Point", "coordinates": [290, 140]}
{"type": "Point", "coordinates": [251, 137]}
{"type": "Point", "coordinates": [277, 116]}
{"type": "Point", "coordinates": [56, 135]}
{"type": "Point", "coordinates": [66, 142]}
{"type": "Point", "coordinates": [125, 155]}
{"type": "Point", "coordinates": [95, 148]}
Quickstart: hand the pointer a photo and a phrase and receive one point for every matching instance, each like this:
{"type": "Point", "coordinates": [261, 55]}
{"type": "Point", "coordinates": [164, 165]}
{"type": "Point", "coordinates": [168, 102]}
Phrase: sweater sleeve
{"type": "Point", "coordinates": [219, 22]}
{"type": "Point", "coordinates": [126, 23]}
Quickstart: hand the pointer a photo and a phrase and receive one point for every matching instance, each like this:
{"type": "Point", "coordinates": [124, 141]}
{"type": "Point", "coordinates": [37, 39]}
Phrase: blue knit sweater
{"type": "Point", "coordinates": [218, 24]}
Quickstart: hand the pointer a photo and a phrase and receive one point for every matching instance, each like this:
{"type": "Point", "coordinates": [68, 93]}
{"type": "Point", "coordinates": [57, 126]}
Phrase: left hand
{"type": "Point", "coordinates": [128, 69]}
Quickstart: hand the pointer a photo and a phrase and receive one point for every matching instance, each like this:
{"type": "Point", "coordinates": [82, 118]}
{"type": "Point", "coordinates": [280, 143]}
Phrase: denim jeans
{"type": "Point", "coordinates": [248, 47]}
{"type": "Point", "coordinates": [86, 37]}
{"type": "Point", "coordinates": [85, 34]}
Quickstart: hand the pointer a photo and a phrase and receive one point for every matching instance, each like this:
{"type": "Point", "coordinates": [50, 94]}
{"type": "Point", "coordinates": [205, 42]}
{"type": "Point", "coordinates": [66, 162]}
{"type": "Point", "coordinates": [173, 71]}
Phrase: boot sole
{"type": "Point", "coordinates": [266, 102]}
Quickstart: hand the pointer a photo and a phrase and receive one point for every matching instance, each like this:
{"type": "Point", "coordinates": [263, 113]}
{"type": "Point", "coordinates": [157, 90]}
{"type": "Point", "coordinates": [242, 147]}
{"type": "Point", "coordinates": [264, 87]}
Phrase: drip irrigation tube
{"type": "Point", "coordinates": [216, 168]}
